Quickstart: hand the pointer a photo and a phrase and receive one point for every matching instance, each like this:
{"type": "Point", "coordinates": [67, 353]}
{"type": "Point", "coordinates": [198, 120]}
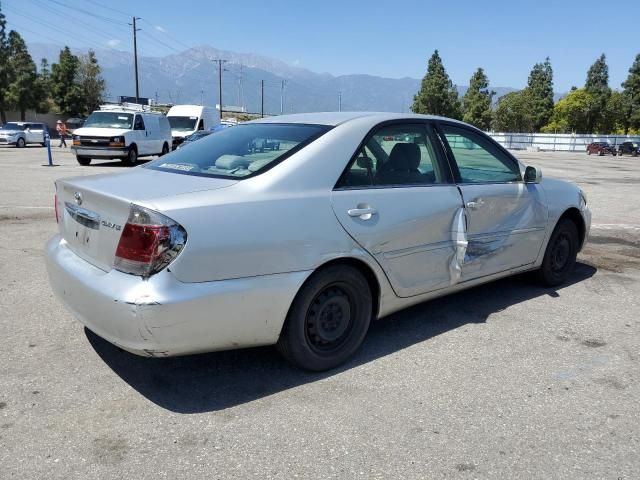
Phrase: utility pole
{"type": "Point", "coordinates": [220, 64]}
{"type": "Point", "coordinates": [339, 101]}
{"type": "Point", "coordinates": [262, 98]}
{"type": "Point", "coordinates": [135, 57]}
{"type": "Point", "coordinates": [282, 84]}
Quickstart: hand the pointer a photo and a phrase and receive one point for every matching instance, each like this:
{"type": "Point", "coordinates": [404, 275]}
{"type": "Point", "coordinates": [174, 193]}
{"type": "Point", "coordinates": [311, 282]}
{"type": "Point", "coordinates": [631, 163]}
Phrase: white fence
{"type": "Point", "coordinates": [563, 142]}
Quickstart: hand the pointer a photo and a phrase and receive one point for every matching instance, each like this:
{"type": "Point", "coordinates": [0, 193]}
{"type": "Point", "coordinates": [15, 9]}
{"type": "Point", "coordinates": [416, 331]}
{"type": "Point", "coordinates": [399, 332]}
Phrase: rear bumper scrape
{"type": "Point", "coordinates": [162, 316]}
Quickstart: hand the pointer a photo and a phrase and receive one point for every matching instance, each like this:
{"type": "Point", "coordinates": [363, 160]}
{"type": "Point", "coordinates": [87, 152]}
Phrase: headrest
{"type": "Point", "coordinates": [229, 162]}
{"type": "Point", "coordinates": [403, 157]}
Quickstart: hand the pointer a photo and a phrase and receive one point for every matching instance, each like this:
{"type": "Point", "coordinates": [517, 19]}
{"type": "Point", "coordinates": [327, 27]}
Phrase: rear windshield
{"type": "Point", "coordinates": [239, 151]}
{"type": "Point", "coordinates": [109, 120]}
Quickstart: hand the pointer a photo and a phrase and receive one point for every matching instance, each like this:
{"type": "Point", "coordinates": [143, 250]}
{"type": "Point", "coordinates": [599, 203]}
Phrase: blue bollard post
{"type": "Point", "coordinates": [47, 141]}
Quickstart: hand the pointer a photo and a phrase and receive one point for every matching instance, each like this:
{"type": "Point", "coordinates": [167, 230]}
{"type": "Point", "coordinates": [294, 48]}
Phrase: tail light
{"type": "Point", "coordinates": [55, 205]}
{"type": "Point", "coordinates": [149, 242]}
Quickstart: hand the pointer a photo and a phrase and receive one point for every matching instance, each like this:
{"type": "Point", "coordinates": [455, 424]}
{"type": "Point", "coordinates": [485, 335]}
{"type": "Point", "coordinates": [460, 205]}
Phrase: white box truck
{"type": "Point", "coordinates": [187, 119]}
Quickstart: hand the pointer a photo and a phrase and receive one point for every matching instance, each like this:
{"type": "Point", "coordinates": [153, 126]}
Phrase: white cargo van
{"type": "Point", "coordinates": [187, 119]}
{"type": "Point", "coordinates": [126, 131]}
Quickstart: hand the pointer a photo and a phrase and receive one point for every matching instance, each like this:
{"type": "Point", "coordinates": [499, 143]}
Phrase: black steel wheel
{"type": "Point", "coordinates": [560, 255]}
{"type": "Point", "coordinates": [132, 157]}
{"type": "Point", "coordinates": [328, 319]}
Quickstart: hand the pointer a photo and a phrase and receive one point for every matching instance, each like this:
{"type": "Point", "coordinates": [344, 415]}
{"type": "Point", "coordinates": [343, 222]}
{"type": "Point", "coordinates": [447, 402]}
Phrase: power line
{"type": "Point", "coordinates": [79, 23]}
{"type": "Point", "coordinates": [111, 9]}
{"type": "Point", "coordinates": [86, 12]}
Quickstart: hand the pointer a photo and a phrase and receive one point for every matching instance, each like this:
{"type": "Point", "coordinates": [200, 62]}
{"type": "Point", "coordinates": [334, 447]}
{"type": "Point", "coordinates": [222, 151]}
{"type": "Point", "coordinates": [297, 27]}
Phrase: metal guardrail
{"type": "Point", "coordinates": [556, 141]}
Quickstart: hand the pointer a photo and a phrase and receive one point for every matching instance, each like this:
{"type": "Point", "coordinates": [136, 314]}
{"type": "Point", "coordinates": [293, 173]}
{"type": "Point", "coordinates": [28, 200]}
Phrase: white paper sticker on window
{"type": "Point", "coordinates": [123, 118]}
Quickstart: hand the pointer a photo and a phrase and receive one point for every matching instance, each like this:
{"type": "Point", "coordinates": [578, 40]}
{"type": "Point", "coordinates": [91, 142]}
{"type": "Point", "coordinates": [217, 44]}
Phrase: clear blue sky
{"type": "Point", "coordinates": [388, 38]}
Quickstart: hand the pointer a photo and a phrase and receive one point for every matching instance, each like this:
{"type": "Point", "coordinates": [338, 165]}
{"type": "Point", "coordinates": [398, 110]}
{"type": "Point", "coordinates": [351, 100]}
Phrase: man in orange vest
{"type": "Point", "coordinates": [62, 131]}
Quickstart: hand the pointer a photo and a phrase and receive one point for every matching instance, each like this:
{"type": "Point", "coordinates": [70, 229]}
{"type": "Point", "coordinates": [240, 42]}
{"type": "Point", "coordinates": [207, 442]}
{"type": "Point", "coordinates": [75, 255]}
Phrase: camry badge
{"type": "Point", "coordinates": [78, 197]}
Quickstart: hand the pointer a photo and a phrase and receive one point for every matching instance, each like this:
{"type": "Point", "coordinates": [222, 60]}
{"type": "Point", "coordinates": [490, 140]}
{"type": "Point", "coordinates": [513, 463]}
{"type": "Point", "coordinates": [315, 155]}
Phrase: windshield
{"type": "Point", "coordinates": [12, 126]}
{"type": "Point", "coordinates": [109, 120]}
{"type": "Point", "coordinates": [239, 151]}
{"type": "Point", "coordinates": [184, 124]}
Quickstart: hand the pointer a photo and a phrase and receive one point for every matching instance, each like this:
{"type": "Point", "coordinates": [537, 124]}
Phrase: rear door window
{"type": "Point", "coordinates": [395, 155]}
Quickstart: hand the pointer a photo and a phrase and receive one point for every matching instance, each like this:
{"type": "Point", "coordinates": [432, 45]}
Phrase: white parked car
{"type": "Point", "coordinates": [357, 215]}
{"type": "Point", "coordinates": [121, 132]}
{"type": "Point", "coordinates": [185, 120]}
{"type": "Point", "coordinates": [22, 134]}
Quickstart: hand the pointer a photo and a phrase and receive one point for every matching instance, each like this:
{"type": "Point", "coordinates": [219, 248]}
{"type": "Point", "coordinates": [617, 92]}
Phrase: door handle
{"type": "Point", "coordinates": [363, 213]}
{"type": "Point", "coordinates": [475, 204]}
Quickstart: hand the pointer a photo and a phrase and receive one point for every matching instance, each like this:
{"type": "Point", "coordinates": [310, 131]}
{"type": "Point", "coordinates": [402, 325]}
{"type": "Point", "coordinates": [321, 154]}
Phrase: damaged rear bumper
{"type": "Point", "coordinates": [162, 316]}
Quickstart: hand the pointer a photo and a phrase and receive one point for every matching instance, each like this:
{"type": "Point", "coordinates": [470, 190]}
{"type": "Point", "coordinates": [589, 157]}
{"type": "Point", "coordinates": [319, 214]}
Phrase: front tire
{"type": "Point", "coordinates": [20, 143]}
{"type": "Point", "coordinates": [131, 158]}
{"type": "Point", "coordinates": [560, 255]}
{"type": "Point", "coordinates": [328, 319]}
{"type": "Point", "coordinates": [84, 161]}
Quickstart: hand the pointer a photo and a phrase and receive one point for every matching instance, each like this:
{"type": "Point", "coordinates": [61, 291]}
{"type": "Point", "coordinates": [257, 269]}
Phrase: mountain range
{"type": "Point", "coordinates": [191, 77]}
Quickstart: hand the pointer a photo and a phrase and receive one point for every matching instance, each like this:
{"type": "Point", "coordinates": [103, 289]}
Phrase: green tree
{"type": "Point", "coordinates": [4, 66]}
{"type": "Point", "coordinates": [438, 94]}
{"type": "Point", "coordinates": [614, 115]}
{"type": "Point", "coordinates": [572, 113]}
{"type": "Point", "coordinates": [513, 113]}
{"type": "Point", "coordinates": [43, 87]}
{"type": "Point", "coordinates": [476, 103]}
{"type": "Point", "coordinates": [67, 93]}
{"type": "Point", "coordinates": [91, 82]}
{"type": "Point", "coordinates": [21, 93]}
{"type": "Point", "coordinates": [597, 85]}
{"type": "Point", "coordinates": [632, 93]}
{"type": "Point", "coordinates": [539, 93]}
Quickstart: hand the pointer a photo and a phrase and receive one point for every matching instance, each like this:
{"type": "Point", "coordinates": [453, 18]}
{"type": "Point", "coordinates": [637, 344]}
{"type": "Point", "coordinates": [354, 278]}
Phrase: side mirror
{"type": "Point", "coordinates": [532, 175]}
{"type": "Point", "coordinates": [365, 162]}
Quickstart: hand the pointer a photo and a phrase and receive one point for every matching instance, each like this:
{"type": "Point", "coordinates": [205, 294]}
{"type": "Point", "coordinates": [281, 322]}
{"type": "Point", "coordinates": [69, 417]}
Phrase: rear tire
{"type": "Point", "coordinates": [560, 255]}
{"type": "Point", "coordinates": [588, 152]}
{"type": "Point", "coordinates": [20, 143]}
{"type": "Point", "coordinates": [84, 161]}
{"type": "Point", "coordinates": [132, 157]}
{"type": "Point", "coordinates": [165, 150]}
{"type": "Point", "coordinates": [328, 319]}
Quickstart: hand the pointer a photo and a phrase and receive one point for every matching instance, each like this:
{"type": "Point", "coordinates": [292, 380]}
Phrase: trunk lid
{"type": "Point", "coordinates": [93, 210]}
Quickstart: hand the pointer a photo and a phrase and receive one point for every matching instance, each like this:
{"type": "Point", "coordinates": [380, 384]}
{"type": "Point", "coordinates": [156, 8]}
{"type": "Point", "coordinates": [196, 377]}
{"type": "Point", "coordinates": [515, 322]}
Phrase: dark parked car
{"type": "Point", "coordinates": [601, 148]}
{"type": "Point", "coordinates": [193, 137]}
{"type": "Point", "coordinates": [629, 148]}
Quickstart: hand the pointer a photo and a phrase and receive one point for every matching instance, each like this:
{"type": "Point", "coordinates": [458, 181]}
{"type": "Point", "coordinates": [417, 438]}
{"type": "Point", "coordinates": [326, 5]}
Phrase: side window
{"type": "Point", "coordinates": [138, 123]}
{"type": "Point", "coordinates": [395, 155]}
{"type": "Point", "coordinates": [201, 124]}
{"type": "Point", "coordinates": [478, 160]}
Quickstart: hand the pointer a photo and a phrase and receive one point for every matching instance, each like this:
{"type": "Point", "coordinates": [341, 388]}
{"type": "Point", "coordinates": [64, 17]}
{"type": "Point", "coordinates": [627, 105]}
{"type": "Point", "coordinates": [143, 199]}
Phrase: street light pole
{"type": "Point", "coordinates": [135, 58]}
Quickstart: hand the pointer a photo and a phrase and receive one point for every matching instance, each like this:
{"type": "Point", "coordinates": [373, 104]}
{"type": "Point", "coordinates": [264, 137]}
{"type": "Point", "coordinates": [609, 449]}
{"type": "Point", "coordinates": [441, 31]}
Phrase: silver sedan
{"type": "Point", "coordinates": [353, 217]}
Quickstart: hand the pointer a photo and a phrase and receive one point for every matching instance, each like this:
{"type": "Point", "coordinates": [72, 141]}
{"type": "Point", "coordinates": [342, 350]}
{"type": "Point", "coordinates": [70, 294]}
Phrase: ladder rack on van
{"type": "Point", "coordinates": [132, 107]}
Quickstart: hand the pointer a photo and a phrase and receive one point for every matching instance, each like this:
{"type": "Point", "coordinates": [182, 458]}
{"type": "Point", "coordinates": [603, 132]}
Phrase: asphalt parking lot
{"type": "Point", "coordinates": [507, 380]}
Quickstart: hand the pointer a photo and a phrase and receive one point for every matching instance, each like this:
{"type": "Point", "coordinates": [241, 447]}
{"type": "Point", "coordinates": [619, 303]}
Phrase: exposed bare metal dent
{"type": "Point", "coordinates": [459, 237]}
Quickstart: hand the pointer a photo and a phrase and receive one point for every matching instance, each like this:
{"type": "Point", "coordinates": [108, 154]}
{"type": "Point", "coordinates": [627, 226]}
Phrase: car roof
{"type": "Point", "coordinates": [337, 118]}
